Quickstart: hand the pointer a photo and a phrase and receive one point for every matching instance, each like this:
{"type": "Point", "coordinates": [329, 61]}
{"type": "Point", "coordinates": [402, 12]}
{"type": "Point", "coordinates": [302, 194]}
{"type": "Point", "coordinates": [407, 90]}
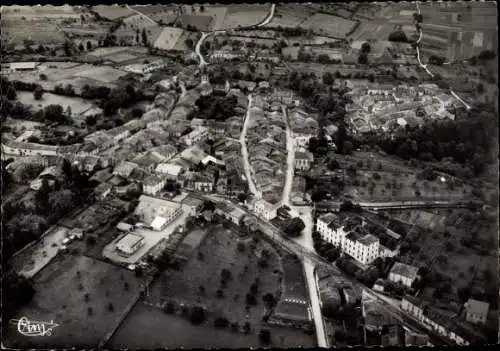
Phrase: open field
{"type": "Point", "coordinates": [18, 31]}
{"type": "Point", "coordinates": [60, 296]}
{"type": "Point", "coordinates": [102, 74]}
{"type": "Point", "coordinates": [202, 23]}
{"type": "Point", "coordinates": [76, 104]}
{"type": "Point", "coordinates": [244, 15]}
{"type": "Point", "coordinates": [45, 11]}
{"type": "Point", "coordinates": [329, 25]}
{"type": "Point", "coordinates": [219, 251]}
{"type": "Point", "coordinates": [62, 73]}
{"type": "Point", "coordinates": [180, 44]}
{"type": "Point", "coordinates": [112, 12]}
{"type": "Point", "coordinates": [372, 31]}
{"type": "Point", "coordinates": [148, 327]}
{"type": "Point", "coordinates": [149, 10]}
{"type": "Point", "coordinates": [289, 15]}
{"type": "Point", "coordinates": [168, 38]}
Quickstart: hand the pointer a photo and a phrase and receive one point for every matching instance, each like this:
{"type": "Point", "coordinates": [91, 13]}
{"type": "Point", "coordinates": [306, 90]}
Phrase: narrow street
{"type": "Point", "coordinates": [244, 151]}
{"type": "Point", "coordinates": [290, 161]}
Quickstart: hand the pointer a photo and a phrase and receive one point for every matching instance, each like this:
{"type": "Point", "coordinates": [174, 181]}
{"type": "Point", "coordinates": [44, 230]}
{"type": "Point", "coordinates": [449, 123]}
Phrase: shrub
{"type": "Point", "coordinates": [221, 322]}
{"type": "Point", "coordinates": [265, 336]}
{"type": "Point", "coordinates": [197, 315]}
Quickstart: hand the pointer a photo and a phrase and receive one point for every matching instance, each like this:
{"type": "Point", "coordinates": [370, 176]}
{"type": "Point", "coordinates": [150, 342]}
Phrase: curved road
{"type": "Point", "coordinates": [204, 35]}
{"type": "Point", "coordinates": [269, 17]}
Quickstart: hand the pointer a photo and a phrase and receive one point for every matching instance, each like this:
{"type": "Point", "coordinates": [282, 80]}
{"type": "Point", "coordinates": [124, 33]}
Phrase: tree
{"type": "Point", "coordinates": [363, 59]}
{"type": "Point", "coordinates": [43, 76]}
{"type": "Point", "coordinates": [189, 43]}
{"type": "Point", "coordinates": [221, 322]}
{"type": "Point", "coordinates": [347, 147]}
{"type": "Point", "coordinates": [89, 45]}
{"type": "Point", "coordinates": [265, 336]}
{"type": "Point", "coordinates": [328, 78]}
{"type": "Point", "coordinates": [294, 227]}
{"type": "Point", "coordinates": [202, 8]}
{"type": "Point", "coordinates": [197, 315]}
{"type": "Point", "coordinates": [67, 48]}
{"type": "Point", "coordinates": [269, 300]}
{"type": "Point", "coordinates": [38, 93]}
{"type": "Point", "coordinates": [11, 93]}
{"type": "Point", "coordinates": [81, 47]}
{"type": "Point", "coordinates": [398, 36]}
{"type": "Point", "coordinates": [169, 308]}
{"type": "Point", "coordinates": [246, 327]}
{"type": "Point", "coordinates": [250, 300]}
{"type": "Point", "coordinates": [90, 240]}
{"type": "Point", "coordinates": [144, 37]}
{"type": "Point", "coordinates": [366, 48]}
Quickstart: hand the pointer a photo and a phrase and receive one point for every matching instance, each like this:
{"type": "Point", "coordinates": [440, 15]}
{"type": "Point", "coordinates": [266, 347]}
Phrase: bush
{"type": "Point", "coordinates": [197, 315]}
{"type": "Point", "coordinates": [221, 322]}
{"type": "Point", "coordinates": [265, 336]}
{"type": "Point", "coordinates": [251, 300]}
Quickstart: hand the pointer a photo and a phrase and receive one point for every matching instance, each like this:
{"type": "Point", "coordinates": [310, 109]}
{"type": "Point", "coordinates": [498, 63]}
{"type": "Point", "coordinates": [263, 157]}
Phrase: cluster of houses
{"type": "Point", "coordinates": [447, 324]}
{"type": "Point", "coordinates": [386, 107]}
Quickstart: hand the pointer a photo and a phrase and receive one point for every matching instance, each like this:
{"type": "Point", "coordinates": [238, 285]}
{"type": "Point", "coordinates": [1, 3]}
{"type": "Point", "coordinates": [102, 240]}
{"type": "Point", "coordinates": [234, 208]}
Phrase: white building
{"type": "Point", "coordinates": [129, 244]}
{"type": "Point", "coordinates": [196, 136]}
{"type": "Point", "coordinates": [301, 140]}
{"type": "Point", "coordinates": [149, 208]}
{"type": "Point", "coordinates": [265, 209]}
{"type": "Point", "coordinates": [171, 170]}
{"type": "Point", "coordinates": [363, 248]}
{"type": "Point", "coordinates": [303, 160]}
{"type": "Point", "coordinates": [153, 184]}
{"type": "Point", "coordinates": [329, 228]}
{"type": "Point", "coordinates": [204, 184]}
{"type": "Point", "coordinates": [403, 273]}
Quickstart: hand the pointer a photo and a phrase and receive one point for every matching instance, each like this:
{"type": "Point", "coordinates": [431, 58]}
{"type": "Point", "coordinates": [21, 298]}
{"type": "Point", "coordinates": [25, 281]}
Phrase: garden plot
{"type": "Point", "coordinates": [149, 10]}
{"type": "Point", "coordinates": [61, 290]}
{"type": "Point", "coordinates": [112, 12]}
{"type": "Point", "coordinates": [375, 31]}
{"type": "Point", "coordinates": [201, 23]}
{"type": "Point", "coordinates": [244, 15]}
{"type": "Point", "coordinates": [212, 18]}
{"type": "Point", "coordinates": [77, 105]}
{"type": "Point", "coordinates": [168, 38]}
{"type": "Point", "coordinates": [180, 45]}
{"type": "Point", "coordinates": [102, 74]}
{"type": "Point", "coordinates": [329, 25]}
{"type": "Point", "coordinates": [199, 279]}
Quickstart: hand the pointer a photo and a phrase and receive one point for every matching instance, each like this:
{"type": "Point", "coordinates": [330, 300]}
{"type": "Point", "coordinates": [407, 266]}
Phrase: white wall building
{"type": "Point", "coordinates": [403, 273]}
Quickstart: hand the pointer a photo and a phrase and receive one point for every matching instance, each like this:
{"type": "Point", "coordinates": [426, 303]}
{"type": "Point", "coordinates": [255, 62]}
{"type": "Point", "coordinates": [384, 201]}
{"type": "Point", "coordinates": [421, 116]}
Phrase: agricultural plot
{"type": "Point", "coordinates": [149, 10]}
{"type": "Point", "coordinates": [199, 280]}
{"type": "Point", "coordinates": [328, 25]}
{"type": "Point", "coordinates": [372, 31]}
{"type": "Point", "coordinates": [168, 38]}
{"type": "Point", "coordinates": [289, 15]}
{"type": "Point", "coordinates": [45, 11]}
{"type": "Point", "coordinates": [244, 15]}
{"type": "Point", "coordinates": [112, 12]}
{"type": "Point", "coordinates": [180, 45]}
{"type": "Point", "coordinates": [77, 105]}
{"type": "Point", "coordinates": [102, 74]}
{"type": "Point", "coordinates": [84, 296]}
{"type": "Point", "coordinates": [16, 31]}
{"type": "Point", "coordinates": [202, 23]}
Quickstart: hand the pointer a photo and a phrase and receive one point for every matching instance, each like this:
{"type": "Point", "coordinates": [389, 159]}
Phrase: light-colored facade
{"type": "Point", "coordinates": [129, 244]}
{"type": "Point", "coordinates": [364, 248]}
{"type": "Point", "coordinates": [196, 136]}
{"type": "Point", "coordinates": [403, 273]}
{"type": "Point", "coordinates": [476, 311]}
{"type": "Point", "coordinates": [154, 184]}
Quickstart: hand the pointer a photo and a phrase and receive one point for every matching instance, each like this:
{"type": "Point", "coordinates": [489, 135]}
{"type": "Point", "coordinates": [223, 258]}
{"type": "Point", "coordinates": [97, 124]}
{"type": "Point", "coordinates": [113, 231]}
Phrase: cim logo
{"type": "Point", "coordinates": [33, 328]}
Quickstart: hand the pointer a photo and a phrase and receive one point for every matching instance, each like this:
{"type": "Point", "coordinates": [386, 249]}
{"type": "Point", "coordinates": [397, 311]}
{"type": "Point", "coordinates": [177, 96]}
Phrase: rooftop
{"type": "Point", "coordinates": [477, 307]}
{"type": "Point", "coordinates": [404, 270]}
{"type": "Point", "coordinates": [130, 240]}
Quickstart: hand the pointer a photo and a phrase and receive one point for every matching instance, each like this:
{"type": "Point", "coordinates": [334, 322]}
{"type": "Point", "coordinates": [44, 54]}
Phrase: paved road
{"type": "Point", "coordinates": [425, 66]}
{"type": "Point", "coordinates": [290, 161]}
{"type": "Point", "coordinates": [244, 151]}
{"type": "Point", "coordinates": [269, 17]}
{"type": "Point", "coordinates": [198, 49]}
{"type": "Point", "coordinates": [141, 14]}
{"type": "Point", "coordinates": [306, 254]}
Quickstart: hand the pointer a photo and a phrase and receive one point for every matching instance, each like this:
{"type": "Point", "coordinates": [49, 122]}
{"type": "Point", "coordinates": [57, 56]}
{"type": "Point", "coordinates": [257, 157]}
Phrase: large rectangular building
{"type": "Point", "coordinates": [129, 244]}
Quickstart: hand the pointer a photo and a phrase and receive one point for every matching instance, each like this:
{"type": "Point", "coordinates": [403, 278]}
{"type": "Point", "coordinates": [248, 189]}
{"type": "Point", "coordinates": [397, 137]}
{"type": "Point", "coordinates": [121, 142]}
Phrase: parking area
{"type": "Point", "coordinates": [151, 239]}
